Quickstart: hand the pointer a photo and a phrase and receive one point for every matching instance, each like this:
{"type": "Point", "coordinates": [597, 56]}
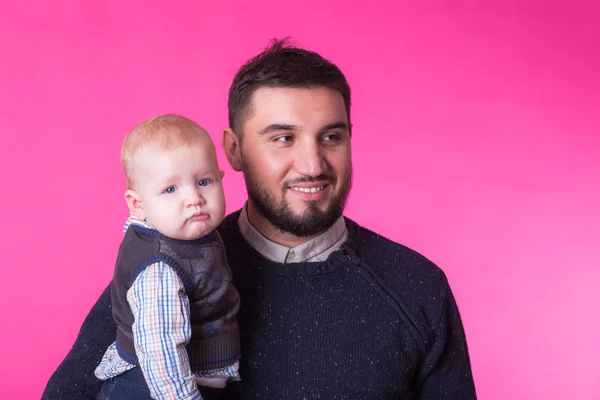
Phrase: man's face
{"type": "Point", "coordinates": [296, 158]}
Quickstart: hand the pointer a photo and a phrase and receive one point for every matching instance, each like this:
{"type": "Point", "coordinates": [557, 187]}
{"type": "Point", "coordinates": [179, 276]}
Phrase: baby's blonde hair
{"type": "Point", "coordinates": [167, 132]}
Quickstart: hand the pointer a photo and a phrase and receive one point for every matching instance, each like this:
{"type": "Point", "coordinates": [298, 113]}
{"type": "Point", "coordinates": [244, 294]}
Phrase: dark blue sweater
{"type": "Point", "coordinates": [375, 321]}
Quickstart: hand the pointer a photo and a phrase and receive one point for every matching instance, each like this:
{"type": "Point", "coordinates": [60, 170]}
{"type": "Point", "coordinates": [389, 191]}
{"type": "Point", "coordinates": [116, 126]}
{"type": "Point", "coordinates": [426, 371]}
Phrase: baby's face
{"type": "Point", "coordinates": [180, 190]}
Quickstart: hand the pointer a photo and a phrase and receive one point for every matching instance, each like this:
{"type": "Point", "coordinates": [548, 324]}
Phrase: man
{"type": "Point", "coordinates": [329, 310]}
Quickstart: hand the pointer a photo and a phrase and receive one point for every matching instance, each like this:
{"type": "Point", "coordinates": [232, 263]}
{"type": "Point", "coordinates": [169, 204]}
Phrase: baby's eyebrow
{"type": "Point", "coordinates": [208, 171]}
{"type": "Point", "coordinates": [170, 179]}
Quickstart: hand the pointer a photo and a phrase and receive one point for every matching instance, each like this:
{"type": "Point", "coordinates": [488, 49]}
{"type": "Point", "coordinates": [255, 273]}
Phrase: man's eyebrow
{"type": "Point", "coordinates": [335, 125]}
{"type": "Point", "coordinates": [278, 127]}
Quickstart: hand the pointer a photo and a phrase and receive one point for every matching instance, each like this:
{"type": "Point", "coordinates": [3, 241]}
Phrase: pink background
{"type": "Point", "coordinates": [475, 142]}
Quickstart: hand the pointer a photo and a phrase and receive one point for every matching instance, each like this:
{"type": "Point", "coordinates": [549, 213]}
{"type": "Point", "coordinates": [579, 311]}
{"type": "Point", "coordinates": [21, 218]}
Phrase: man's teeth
{"type": "Point", "coordinates": [308, 190]}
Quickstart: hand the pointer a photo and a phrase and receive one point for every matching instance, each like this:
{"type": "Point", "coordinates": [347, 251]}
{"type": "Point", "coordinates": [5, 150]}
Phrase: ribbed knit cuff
{"type": "Point", "coordinates": [215, 352]}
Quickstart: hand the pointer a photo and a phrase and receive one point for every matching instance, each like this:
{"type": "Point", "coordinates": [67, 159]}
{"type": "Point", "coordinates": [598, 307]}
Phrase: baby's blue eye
{"type": "Point", "coordinates": [170, 189]}
{"type": "Point", "coordinates": [204, 182]}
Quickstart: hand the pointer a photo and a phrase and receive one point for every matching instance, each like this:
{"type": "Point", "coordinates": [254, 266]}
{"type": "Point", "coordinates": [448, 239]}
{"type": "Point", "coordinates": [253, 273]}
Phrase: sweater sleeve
{"type": "Point", "coordinates": [446, 372]}
{"type": "Point", "coordinates": [74, 378]}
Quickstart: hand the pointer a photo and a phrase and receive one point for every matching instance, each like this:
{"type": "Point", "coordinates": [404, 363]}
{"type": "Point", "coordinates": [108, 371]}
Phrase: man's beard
{"type": "Point", "coordinates": [312, 220]}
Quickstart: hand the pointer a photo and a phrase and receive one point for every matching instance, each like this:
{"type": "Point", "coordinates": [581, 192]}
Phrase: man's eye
{"type": "Point", "coordinates": [170, 189]}
{"type": "Point", "coordinates": [286, 138]}
{"type": "Point", "coordinates": [334, 137]}
{"type": "Point", "coordinates": [203, 182]}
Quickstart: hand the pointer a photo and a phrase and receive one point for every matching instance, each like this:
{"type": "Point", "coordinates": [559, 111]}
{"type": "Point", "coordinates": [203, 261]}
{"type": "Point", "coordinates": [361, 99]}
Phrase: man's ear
{"type": "Point", "coordinates": [134, 202]}
{"type": "Point", "coordinates": [231, 147]}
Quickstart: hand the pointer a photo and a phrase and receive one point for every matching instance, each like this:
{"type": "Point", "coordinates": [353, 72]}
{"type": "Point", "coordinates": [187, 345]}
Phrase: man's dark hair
{"type": "Point", "coordinates": [282, 64]}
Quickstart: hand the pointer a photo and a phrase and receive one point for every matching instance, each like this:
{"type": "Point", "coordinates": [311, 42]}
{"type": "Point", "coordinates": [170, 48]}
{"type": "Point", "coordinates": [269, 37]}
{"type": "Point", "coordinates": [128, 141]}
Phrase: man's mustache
{"type": "Point", "coordinates": [308, 179]}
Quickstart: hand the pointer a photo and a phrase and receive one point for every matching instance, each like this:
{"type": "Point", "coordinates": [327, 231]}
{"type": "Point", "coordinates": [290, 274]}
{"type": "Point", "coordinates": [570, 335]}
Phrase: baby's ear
{"type": "Point", "coordinates": [134, 202]}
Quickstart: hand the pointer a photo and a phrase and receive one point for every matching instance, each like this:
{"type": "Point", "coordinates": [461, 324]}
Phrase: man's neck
{"type": "Point", "coordinates": [268, 230]}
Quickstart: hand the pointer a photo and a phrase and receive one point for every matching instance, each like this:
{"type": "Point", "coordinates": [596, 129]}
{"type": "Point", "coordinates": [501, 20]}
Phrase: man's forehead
{"type": "Point", "coordinates": [278, 93]}
{"type": "Point", "coordinates": [296, 107]}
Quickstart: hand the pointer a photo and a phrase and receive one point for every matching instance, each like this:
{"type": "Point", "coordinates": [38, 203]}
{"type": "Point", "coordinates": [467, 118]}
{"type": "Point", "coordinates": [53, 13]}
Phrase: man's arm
{"type": "Point", "coordinates": [446, 373]}
{"type": "Point", "coordinates": [74, 378]}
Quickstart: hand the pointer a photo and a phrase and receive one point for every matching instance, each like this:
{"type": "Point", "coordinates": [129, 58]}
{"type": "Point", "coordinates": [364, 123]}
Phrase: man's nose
{"type": "Point", "coordinates": [310, 160]}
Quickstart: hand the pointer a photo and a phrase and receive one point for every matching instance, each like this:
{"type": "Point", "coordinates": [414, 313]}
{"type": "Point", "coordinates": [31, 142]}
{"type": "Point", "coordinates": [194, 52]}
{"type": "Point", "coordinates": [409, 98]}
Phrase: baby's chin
{"type": "Point", "coordinates": [192, 230]}
{"type": "Point", "coordinates": [199, 231]}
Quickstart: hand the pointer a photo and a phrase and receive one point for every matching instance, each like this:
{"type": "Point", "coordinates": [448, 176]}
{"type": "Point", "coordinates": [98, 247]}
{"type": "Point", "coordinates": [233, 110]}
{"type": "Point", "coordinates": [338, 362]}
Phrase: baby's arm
{"type": "Point", "coordinates": [161, 331]}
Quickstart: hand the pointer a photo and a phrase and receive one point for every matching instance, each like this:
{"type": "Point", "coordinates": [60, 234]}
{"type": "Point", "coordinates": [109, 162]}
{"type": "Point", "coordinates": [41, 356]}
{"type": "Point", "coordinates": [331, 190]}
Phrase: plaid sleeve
{"type": "Point", "coordinates": [161, 331]}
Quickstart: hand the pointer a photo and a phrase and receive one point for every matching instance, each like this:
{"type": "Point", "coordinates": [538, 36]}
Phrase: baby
{"type": "Point", "coordinates": [172, 297]}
